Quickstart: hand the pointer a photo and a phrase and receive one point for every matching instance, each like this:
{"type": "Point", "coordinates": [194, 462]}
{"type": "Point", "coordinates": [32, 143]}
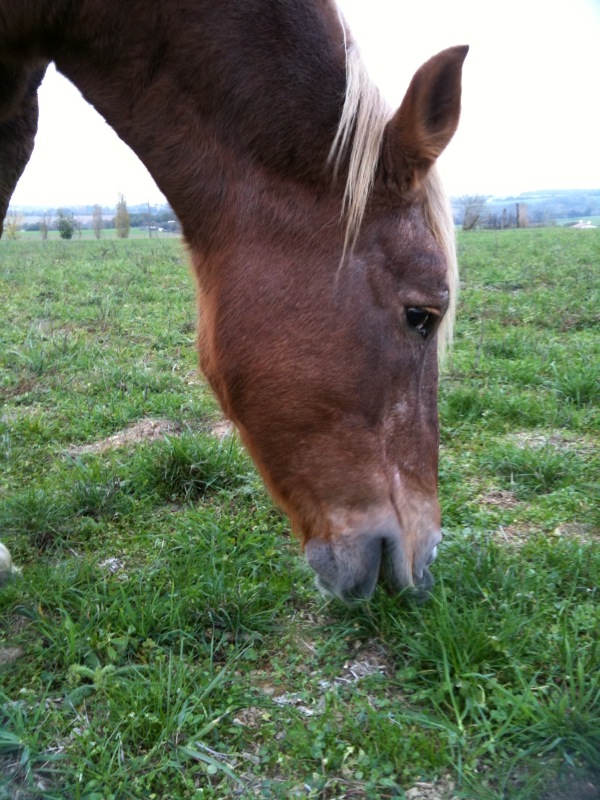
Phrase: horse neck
{"type": "Point", "coordinates": [217, 104]}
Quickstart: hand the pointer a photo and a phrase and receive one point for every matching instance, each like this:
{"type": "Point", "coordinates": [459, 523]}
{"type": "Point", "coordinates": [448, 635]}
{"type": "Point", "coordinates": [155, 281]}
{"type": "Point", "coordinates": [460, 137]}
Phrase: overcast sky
{"type": "Point", "coordinates": [531, 102]}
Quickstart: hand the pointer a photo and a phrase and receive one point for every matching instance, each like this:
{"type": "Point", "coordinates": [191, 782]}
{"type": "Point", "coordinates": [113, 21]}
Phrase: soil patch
{"type": "Point", "coordinates": [9, 655]}
{"type": "Point", "coordinates": [499, 498]}
{"type": "Point", "coordinates": [222, 428]}
{"type": "Point", "coordinates": [146, 430]}
{"type": "Point", "coordinates": [561, 440]}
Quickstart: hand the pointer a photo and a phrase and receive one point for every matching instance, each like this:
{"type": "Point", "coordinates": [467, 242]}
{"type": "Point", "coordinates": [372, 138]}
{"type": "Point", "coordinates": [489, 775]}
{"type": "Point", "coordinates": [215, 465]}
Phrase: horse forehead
{"type": "Point", "coordinates": [404, 236]}
{"type": "Point", "coordinates": [406, 259]}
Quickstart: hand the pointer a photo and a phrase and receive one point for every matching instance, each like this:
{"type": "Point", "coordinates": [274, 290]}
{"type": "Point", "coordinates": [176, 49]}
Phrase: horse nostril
{"type": "Point", "coordinates": [349, 567]}
{"type": "Point", "coordinates": [399, 571]}
{"type": "Point", "coordinates": [424, 587]}
{"type": "Point", "coordinates": [395, 571]}
{"type": "Point", "coordinates": [346, 567]}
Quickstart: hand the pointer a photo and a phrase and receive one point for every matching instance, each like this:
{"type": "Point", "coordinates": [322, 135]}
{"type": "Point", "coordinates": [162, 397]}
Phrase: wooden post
{"type": "Point", "coordinates": [522, 221]}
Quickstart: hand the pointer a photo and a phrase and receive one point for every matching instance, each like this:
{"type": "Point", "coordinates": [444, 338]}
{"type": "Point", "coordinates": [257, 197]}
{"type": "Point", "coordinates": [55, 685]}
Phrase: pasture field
{"type": "Point", "coordinates": [594, 219]}
{"type": "Point", "coordinates": [108, 234]}
{"type": "Point", "coordinates": [165, 640]}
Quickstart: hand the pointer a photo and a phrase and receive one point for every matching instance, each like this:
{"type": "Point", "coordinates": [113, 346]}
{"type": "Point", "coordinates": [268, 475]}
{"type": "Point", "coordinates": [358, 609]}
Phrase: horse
{"type": "Point", "coordinates": [318, 231]}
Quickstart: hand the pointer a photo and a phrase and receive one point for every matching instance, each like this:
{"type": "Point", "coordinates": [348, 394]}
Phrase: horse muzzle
{"type": "Point", "coordinates": [350, 566]}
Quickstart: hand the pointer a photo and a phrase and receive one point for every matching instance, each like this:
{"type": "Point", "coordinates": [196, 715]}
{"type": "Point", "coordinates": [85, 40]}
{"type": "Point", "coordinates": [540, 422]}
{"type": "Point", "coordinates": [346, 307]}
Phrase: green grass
{"type": "Point", "coordinates": [165, 640]}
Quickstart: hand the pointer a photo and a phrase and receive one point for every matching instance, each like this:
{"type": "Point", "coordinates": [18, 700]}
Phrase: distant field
{"type": "Point", "coordinates": [108, 233]}
{"type": "Point", "coordinates": [595, 220]}
{"type": "Point", "coordinates": [165, 639]}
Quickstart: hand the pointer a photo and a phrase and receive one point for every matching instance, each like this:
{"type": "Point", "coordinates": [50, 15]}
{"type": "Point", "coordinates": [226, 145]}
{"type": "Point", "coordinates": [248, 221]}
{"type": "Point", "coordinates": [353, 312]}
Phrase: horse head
{"type": "Point", "coordinates": [328, 362]}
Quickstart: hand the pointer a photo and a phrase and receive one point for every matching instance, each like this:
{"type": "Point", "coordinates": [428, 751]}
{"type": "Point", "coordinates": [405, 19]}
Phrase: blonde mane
{"type": "Point", "coordinates": [359, 135]}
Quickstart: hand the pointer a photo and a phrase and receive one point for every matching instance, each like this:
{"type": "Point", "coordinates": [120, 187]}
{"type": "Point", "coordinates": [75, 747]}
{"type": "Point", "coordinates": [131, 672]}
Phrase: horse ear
{"type": "Point", "coordinates": [426, 120]}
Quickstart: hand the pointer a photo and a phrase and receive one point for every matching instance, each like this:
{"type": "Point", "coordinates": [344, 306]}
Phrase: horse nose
{"type": "Point", "coordinates": [350, 566]}
{"type": "Point", "coordinates": [403, 566]}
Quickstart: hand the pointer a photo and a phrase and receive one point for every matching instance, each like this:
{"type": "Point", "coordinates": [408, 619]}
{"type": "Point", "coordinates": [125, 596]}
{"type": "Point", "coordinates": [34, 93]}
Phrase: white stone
{"type": "Point", "coordinates": [6, 565]}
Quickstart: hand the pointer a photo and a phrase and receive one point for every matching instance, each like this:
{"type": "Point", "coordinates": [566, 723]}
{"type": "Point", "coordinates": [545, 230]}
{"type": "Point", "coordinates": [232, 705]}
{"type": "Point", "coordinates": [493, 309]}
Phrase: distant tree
{"type": "Point", "coordinates": [492, 221]}
{"type": "Point", "coordinates": [97, 221]}
{"type": "Point", "coordinates": [65, 223]}
{"type": "Point", "coordinates": [122, 219]}
{"type": "Point", "coordinates": [13, 225]}
{"type": "Point", "coordinates": [472, 207]}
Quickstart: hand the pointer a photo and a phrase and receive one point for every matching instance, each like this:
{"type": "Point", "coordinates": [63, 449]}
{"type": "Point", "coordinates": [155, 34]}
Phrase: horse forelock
{"type": "Point", "coordinates": [358, 140]}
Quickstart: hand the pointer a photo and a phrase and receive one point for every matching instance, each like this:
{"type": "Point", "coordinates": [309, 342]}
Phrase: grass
{"type": "Point", "coordinates": [165, 639]}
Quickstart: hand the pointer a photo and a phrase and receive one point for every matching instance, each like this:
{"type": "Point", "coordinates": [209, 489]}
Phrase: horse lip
{"type": "Point", "coordinates": [422, 590]}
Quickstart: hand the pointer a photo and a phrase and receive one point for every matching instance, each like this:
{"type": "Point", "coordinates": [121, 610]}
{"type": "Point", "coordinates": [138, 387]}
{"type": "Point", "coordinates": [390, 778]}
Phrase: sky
{"type": "Point", "coordinates": [530, 119]}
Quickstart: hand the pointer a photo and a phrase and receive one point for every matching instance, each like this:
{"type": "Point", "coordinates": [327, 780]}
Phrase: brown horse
{"type": "Point", "coordinates": [318, 231]}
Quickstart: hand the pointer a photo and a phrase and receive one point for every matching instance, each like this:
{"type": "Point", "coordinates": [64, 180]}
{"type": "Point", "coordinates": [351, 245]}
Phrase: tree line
{"type": "Point", "coordinates": [69, 225]}
{"type": "Point", "coordinates": [473, 211]}
{"type": "Point", "coordinates": [535, 208]}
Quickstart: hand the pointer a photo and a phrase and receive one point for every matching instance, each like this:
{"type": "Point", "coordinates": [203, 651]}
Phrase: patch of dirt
{"type": "Point", "coordinates": [425, 790]}
{"type": "Point", "coordinates": [576, 530]}
{"type": "Point", "coordinates": [519, 534]}
{"type": "Point", "coordinates": [146, 430]}
{"type": "Point", "coordinates": [296, 700]}
{"type": "Point", "coordinates": [17, 785]}
{"type": "Point", "coordinates": [8, 655]}
{"type": "Point", "coordinates": [514, 534]}
{"type": "Point", "coordinates": [222, 428]}
{"type": "Point", "coordinates": [562, 440]}
{"type": "Point", "coordinates": [500, 498]}
{"type": "Point", "coordinates": [15, 624]}
{"type": "Point", "coordinates": [250, 717]}
{"type": "Point", "coordinates": [348, 789]}
{"type": "Point", "coordinates": [24, 386]}
{"type": "Point", "coordinates": [113, 566]}
{"type": "Point", "coordinates": [370, 659]}
{"type": "Point", "coordinates": [574, 784]}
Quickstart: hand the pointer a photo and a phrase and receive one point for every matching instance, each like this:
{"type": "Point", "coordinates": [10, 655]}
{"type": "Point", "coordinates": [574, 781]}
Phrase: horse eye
{"type": "Point", "coordinates": [421, 320]}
